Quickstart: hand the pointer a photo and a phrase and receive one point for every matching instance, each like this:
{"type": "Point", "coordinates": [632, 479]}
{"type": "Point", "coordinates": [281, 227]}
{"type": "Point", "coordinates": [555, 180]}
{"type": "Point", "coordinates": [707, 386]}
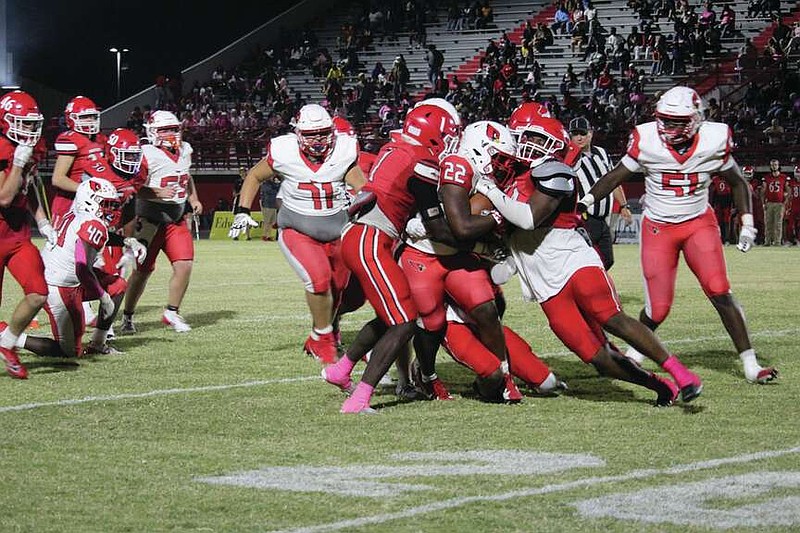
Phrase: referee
{"type": "Point", "coordinates": [594, 163]}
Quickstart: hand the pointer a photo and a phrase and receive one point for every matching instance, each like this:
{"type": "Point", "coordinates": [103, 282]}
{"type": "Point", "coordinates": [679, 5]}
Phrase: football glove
{"type": "Point", "coordinates": [106, 305]}
{"type": "Point", "coordinates": [241, 221]}
{"type": "Point", "coordinates": [47, 231]}
{"type": "Point", "coordinates": [22, 154]}
{"type": "Point", "coordinates": [415, 229]}
{"type": "Point", "coordinates": [137, 249]}
{"type": "Point", "coordinates": [747, 238]}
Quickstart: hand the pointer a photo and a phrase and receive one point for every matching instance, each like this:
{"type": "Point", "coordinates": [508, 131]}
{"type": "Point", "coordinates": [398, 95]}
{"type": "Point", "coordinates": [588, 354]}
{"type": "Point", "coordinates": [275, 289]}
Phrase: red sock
{"type": "Point", "coordinates": [523, 363]}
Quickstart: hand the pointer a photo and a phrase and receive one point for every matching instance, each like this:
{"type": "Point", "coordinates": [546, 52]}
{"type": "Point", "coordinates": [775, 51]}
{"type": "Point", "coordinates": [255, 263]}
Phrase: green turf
{"type": "Point", "coordinates": [132, 463]}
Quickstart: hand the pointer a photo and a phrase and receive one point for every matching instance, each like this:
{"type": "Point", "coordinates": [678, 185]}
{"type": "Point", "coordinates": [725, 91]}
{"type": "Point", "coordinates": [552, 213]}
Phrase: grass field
{"type": "Point", "coordinates": [229, 428]}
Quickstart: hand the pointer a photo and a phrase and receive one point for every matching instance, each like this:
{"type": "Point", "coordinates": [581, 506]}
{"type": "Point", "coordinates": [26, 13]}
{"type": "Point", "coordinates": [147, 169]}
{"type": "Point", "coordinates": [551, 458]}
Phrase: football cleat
{"type": "Point", "coordinates": [127, 327]}
{"type": "Point", "coordinates": [176, 321]}
{"type": "Point", "coordinates": [668, 393]}
{"type": "Point", "coordinates": [14, 366]}
{"type": "Point", "coordinates": [322, 349]}
{"type": "Point", "coordinates": [765, 375]}
{"type": "Point", "coordinates": [357, 406]}
{"type": "Point", "coordinates": [408, 392]}
{"type": "Point", "coordinates": [337, 378]}
{"type": "Point", "coordinates": [105, 349]}
{"type": "Point", "coordinates": [111, 335]}
{"type": "Point", "coordinates": [438, 390]}
{"type": "Point", "coordinates": [692, 390]}
{"type": "Point", "coordinates": [433, 389]}
{"type": "Point", "coordinates": [511, 393]}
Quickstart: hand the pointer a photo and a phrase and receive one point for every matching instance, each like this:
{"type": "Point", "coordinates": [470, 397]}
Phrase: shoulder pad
{"type": "Point", "coordinates": [553, 176]}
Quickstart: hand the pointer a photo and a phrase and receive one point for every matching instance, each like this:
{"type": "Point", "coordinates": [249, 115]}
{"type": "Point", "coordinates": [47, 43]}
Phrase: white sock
{"type": "Point", "coordinates": [88, 312]}
{"type": "Point", "coordinates": [323, 331]}
{"type": "Point", "coordinates": [428, 379]}
{"type": "Point", "coordinates": [99, 337]}
{"type": "Point", "coordinates": [21, 340]}
{"type": "Point", "coordinates": [634, 355]}
{"type": "Point", "coordinates": [751, 366]}
{"type": "Point", "coordinates": [548, 384]}
{"type": "Point", "coordinates": [504, 366]}
{"type": "Point", "coordinates": [8, 340]}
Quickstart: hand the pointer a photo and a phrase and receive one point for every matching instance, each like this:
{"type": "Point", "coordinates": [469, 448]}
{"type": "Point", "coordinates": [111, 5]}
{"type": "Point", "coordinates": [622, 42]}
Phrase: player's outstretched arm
{"type": "Point", "coordinates": [355, 178]}
{"type": "Point", "coordinates": [605, 185]}
{"type": "Point", "coordinates": [261, 172]}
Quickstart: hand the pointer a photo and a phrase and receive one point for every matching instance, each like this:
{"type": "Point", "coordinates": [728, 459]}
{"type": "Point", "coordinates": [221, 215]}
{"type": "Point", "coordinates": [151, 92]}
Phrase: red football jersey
{"type": "Point", "coordinates": [794, 187]}
{"type": "Point", "coordinates": [720, 187]}
{"type": "Point", "coordinates": [396, 164]}
{"type": "Point", "coordinates": [14, 218]}
{"type": "Point", "coordinates": [89, 156]}
{"type": "Point", "coordinates": [775, 187]}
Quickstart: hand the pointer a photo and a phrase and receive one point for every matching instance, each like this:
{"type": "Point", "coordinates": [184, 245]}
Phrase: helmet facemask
{"type": "Point", "coordinates": [535, 143]}
{"type": "Point", "coordinates": [676, 130]}
{"type": "Point", "coordinates": [316, 143]}
{"type": "Point", "coordinates": [127, 160]}
{"type": "Point", "coordinates": [86, 122]}
{"type": "Point", "coordinates": [165, 136]}
{"type": "Point", "coordinates": [24, 130]}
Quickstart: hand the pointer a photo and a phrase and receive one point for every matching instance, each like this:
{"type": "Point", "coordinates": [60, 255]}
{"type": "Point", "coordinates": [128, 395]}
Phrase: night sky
{"type": "Point", "coordinates": [65, 44]}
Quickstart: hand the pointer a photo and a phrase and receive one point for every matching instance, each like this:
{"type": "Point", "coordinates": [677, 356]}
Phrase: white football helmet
{"type": "Point", "coordinates": [487, 138]}
{"type": "Point", "coordinates": [96, 197]}
{"type": "Point", "coordinates": [678, 115]}
{"type": "Point", "coordinates": [315, 130]}
{"type": "Point", "coordinates": [748, 172]}
{"type": "Point", "coordinates": [164, 129]}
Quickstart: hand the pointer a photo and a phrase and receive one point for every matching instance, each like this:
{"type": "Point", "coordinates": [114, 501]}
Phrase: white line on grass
{"type": "Point", "coordinates": [246, 384]}
{"type": "Point", "coordinates": [538, 491]}
{"type": "Point", "coordinates": [150, 394]}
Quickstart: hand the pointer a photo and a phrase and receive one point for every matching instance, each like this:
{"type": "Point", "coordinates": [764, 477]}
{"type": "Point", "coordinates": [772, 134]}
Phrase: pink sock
{"type": "Point", "coordinates": [345, 364]}
{"type": "Point", "coordinates": [362, 394]}
{"type": "Point", "coordinates": [679, 372]}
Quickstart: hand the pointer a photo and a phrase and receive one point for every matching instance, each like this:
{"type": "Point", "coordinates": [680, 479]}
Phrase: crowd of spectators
{"type": "Point", "coordinates": [606, 81]}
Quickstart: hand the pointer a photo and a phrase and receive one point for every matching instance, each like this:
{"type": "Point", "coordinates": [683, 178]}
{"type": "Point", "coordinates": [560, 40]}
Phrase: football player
{"type": "Point", "coordinates": [678, 152]}
{"type": "Point", "coordinates": [793, 211]}
{"type": "Point", "coordinates": [160, 208]}
{"type": "Point", "coordinates": [21, 127]}
{"type": "Point", "coordinates": [434, 269]}
{"type": "Point", "coordinates": [80, 151]}
{"type": "Point", "coordinates": [316, 164]}
{"type": "Point", "coordinates": [559, 268]}
{"type": "Point", "coordinates": [81, 234]}
{"type": "Point", "coordinates": [402, 182]}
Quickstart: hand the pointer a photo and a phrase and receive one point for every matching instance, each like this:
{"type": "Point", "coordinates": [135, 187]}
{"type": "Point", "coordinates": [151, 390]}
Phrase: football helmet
{"type": "Point", "coordinates": [342, 125]}
{"type": "Point", "coordinates": [748, 172]}
{"type": "Point", "coordinates": [526, 113]}
{"type": "Point", "coordinates": [678, 115]}
{"type": "Point", "coordinates": [82, 115]}
{"type": "Point", "coordinates": [123, 151]}
{"type": "Point", "coordinates": [444, 105]}
{"type": "Point", "coordinates": [539, 138]}
{"type": "Point", "coordinates": [315, 130]}
{"type": "Point", "coordinates": [20, 119]}
{"type": "Point", "coordinates": [164, 130]}
{"type": "Point", "coordinates": [98, 198]}
{"type": "Point", "coordinates": [496, 142]}
{"type": "Point", "coordinates": [433, 127]}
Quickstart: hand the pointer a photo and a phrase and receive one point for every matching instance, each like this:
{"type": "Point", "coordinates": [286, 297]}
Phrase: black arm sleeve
{"type": "Point", "coordinates": [427, 199]}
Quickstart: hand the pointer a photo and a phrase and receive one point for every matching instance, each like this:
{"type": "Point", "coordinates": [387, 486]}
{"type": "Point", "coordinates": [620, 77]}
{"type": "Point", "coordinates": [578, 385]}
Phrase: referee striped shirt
{"type": "Point", "coordinates": [593, 165]}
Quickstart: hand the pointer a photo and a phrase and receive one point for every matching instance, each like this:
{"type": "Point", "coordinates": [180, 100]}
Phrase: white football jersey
{"type": "Point", "coordinates": [677, 184]}
{"type": "Point", "coordinates": [165, 169]}
{"type": "Point", "coordinates": [59, 258]}
{"type": "Point", "coordinates": [308, 188]}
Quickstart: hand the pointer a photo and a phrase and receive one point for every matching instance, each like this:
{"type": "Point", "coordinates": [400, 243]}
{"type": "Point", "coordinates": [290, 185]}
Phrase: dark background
{"type": "Point", "coordinates": [64, 44]}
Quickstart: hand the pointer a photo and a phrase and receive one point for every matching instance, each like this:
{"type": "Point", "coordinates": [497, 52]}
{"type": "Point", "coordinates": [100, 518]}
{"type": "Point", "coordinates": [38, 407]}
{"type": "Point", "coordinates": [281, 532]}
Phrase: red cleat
{"type": "Point", "coordinates": [765, 375]}
{"type": "Point", "coordinates": [511, 393]}
{"type": "Point", "coordinates": [323, 350]}
{"type": "Point", "coordinates": [437, 390]}
{"type": "Point", "coordinates": [14, 367]}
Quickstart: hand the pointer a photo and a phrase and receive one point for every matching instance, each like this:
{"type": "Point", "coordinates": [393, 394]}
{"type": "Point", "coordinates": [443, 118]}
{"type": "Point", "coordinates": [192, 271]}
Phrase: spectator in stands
{"type": "Point", "coordinates": [580, 31]}
{"type": "Point", "coordinates": [399, 76]}
{"type": "Point", "coordinates": [543, 37]}
{"type": "Point", "coordinates": [485, 16]}
{"type": "Point", "coordinates": [560, 20]}
{"type": "Point", "coordinates": [775, 133]}
{"type": "Point", "coordinates": [435, 59]}
{"type": "Point", "coordinates": [612, 41]}
{"type": "Point", "coordinates": [756, 8]}
{"type": "Point", "coordinates": [727, 21]}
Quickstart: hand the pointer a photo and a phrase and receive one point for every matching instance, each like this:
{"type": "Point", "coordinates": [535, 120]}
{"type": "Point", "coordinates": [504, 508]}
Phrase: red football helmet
{"type": "Point", "coordinates": [123, 151]}
{"type": "Point", "coordinates": [748, 172]}
{"type": "Point", "coordinates": [538, 137]}
{"type": "Point", "coordinates": [82, 115]}
{"type": "Point", "coordinates": [20, 119]}
{"type": "Point", "coordinates": [678, 115]}
{"type": "Point", "coordinates": [342, 125]}
{"type": "Point", "coordinates": [432, 127]}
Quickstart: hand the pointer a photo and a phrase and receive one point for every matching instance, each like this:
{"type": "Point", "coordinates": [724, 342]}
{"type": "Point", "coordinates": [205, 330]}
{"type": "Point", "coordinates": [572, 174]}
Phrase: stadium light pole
{"type": "Point", "coordinates": [118, 52]}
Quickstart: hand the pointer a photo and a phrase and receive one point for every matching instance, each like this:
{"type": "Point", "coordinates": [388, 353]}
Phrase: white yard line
{"type": "Point", "coordinates": [261, 383]}
{"type": "Point", "coordinates": [538, 491]}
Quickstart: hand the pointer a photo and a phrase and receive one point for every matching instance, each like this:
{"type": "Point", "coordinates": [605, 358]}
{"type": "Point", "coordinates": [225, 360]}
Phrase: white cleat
{"type": "Point", "coordinates": [172, 318]}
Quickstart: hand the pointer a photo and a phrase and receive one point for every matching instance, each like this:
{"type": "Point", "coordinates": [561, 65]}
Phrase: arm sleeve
{"type": "Point", "coordinates": [426, 197]}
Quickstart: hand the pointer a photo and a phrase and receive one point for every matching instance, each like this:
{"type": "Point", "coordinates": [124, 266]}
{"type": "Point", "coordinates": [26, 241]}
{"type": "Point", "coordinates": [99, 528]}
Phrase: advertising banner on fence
{"type": "Point", "coordinates": [223, 220]}
{"type": "Point", "coordinates": [628, 233]}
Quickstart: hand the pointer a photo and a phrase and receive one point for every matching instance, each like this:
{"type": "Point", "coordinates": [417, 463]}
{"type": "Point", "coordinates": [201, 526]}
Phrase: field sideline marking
{"type": "Point", "coordinates": [259, 383]}
{"type": "Point", "coordinates": [538, 491]}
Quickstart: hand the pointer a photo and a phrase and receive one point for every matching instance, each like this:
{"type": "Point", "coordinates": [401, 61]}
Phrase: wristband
{"type": "Point", "coordinates": [587, 200]}
{"type": "Point", "coordinates": [239, 209]}
{"type": "Point", "coordinates": [42, 223]}
{"type": "Point", "coordinates": [747, 219]}
{"type": "Point", "coordinates": [495, 214]}
{"type": "Point", "coordinates": [626, 206]}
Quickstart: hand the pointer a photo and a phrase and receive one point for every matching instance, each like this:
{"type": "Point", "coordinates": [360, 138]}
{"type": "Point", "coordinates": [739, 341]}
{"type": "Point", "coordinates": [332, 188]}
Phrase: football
{"type": "Point", "coordinates": [479, 203]}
